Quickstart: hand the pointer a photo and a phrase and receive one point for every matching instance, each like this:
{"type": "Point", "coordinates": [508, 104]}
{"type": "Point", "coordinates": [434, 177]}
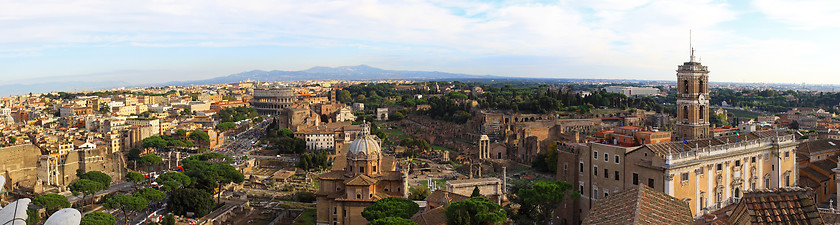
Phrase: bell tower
{"type": "Point", "coordinates": [692, 120]}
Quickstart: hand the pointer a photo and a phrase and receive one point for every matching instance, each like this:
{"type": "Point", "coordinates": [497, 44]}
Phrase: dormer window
{"type": "Point", "coordinates": [374, 168]}
{"type": "Point", "coordinates": [362, 169]}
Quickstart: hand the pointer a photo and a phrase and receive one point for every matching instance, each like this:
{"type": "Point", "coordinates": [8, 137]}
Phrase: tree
{"type": "Point", "coordinates": [173, 180]}
{"type": "Point", "coordinates": [200, 136]}
{"type": "Point", "coordinates": [126, 203]}
{"type": "Point", "coordinates": [98, 218]}
{"type": "Point", "coordinates": [476, 192]}
{"type": "Point", "coordinates": [211, 176]}
{"type": "Point", "coordinates": [150, 194]}
{"type": "Point", "coordinates": [135, 178]}
{"type": "Point", "coordinates": [392, 221]}
{"type": "Point", "coordinates": [537, 202]}
{"type": "Point", "coordinates": [396, 116]}
{"type": "Point", "coordinates": [474, 211]}
{"type": "Point", "coordinates": [85, 187]}
{"type": "Point", "coordinates": [150, 160]}
{"type": "Point", "coordinates": [169, 219]}
{"type": "Point", "coordinates": [12, 140]}
{"type": "Point", "coordinates": [418, 193]}
{"type": "Point", "coordinates": [51, 202]}
{"type": "Point", "coordinates": [181, 133]}
{"type": "Point", "coordinates": [32, 217]}
{"type": "Point", "coordinates": [225, 126]}
{"type": "Point", "coordinates": [390, 207]}
{"type": "Point", "coordinates": [793, 125]}
{"type": "Point", "coordinates": [344, 96]}
{"type": "Point", "coordinates": [133, 154]}
{"type": "Point", "coordinates": [360, 98]}
{"type": "Point", "coordinates": [190, 200]}
{"type": "Point", "coordinates": [154, 142]}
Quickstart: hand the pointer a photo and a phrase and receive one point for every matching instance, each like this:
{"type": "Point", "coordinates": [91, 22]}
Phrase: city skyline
{"type": "Point", "coordinates": [142, 42]}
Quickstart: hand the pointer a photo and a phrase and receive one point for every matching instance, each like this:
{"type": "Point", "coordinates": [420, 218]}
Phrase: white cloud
{"type": "Point", "coordinates": [802, 14]}
{"type": "Point", "coordinates": [634, 34]}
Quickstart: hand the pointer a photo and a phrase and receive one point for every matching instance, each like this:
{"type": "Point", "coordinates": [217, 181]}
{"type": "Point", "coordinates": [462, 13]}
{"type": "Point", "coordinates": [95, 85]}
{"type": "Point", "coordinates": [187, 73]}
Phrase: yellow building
{"type": "Point", "coordinates": [714, 172]}
{"type": "Point", "coordinates": [356, 181]}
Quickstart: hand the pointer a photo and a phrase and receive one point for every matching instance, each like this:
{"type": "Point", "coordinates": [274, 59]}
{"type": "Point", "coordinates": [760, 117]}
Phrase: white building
{"type": "Point", "coordinates": [633, 91]}
{"type": "Point", "coordinates": [317, 140]}
{"type": "Point", "coordinates": [345, 114]}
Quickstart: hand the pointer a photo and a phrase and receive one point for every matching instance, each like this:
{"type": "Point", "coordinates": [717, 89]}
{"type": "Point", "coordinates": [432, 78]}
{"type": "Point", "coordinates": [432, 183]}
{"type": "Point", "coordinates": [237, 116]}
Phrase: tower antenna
{"type": "Point", "coordinates": [690, 45]}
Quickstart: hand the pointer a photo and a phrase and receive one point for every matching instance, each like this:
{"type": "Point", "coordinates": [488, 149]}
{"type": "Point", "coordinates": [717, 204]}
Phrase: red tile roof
{"type": "Point", "coordinates": [639, 205]}
{"type": "Point", "coordinates": [780, 206]}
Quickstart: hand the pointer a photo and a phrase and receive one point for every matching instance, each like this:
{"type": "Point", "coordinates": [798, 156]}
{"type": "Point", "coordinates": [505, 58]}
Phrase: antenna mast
{"type": "Point", "coordinates": [690, 45]}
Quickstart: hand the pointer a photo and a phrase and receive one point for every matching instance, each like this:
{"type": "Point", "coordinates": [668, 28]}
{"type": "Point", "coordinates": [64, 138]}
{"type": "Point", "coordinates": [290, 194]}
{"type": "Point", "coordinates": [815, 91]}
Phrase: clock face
{"type": "Point", "coordinates": [701, 97]}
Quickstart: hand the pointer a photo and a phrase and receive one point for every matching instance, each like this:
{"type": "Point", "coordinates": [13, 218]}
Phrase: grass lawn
{"type": "Point", "coordinates": [395, 133]}
{"type": "Point", "coordinates": [441, 184]}
{"type": "Point", "coordinates": [436, 147]}
{"type": "Point", "coordinates": [307, 218]}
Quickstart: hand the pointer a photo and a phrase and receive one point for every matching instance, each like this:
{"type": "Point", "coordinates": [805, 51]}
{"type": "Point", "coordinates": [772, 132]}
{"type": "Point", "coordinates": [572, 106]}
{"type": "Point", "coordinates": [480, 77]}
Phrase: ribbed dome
{"type": "Point", "coordinates": [364, 143]}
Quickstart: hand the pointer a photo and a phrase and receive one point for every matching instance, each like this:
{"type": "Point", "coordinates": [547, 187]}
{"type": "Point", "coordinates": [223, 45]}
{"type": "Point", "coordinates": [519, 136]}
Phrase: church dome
{"type": "Point", "coordinates": [365, 144]}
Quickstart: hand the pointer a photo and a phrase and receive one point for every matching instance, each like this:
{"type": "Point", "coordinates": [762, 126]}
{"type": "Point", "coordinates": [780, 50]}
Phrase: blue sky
{"type": "Point", "coordinates": [784, 41]}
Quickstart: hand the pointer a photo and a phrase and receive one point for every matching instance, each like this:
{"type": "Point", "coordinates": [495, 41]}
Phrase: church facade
{"type": "Point", "coordinates": [360, 176]}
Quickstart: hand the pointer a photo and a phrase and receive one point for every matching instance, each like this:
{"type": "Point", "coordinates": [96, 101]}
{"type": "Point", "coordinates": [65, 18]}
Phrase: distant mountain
{"type": "Point", "coordinates": [360, 72]}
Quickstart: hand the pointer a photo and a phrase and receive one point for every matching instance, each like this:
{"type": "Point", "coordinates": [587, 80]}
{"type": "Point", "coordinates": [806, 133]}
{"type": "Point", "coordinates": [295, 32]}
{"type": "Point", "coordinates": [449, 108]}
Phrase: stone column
{"type": "Point", "coordinates": [727, 180]}
{"type": "Point", "coordinates": [669, 183]}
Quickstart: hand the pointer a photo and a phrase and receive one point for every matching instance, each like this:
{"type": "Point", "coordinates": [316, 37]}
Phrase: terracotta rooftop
{"type": "Point", "coordinates": [818, 146]}
{"type": "Point", "coordinates": [780, 206]}
{"type": "Point", "coordinates": [436, 216]}
{"type": "Point", "coordinates": [639, 205]}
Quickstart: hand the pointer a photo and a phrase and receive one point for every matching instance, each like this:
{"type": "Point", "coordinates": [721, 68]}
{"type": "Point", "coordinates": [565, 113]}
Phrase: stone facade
{"type": "Point", "coordinates": [692, 100]}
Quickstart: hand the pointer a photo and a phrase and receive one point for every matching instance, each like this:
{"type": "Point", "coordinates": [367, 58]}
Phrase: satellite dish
{"type": "Point", "coordinates": [15, 212]}
{"type": "Point", "coordinates": [66, 216]}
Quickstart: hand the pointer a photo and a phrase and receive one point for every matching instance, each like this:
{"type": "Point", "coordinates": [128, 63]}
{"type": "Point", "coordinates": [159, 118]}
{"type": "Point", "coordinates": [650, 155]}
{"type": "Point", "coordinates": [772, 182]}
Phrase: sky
{"type": "Point", "coordinates": [152, 41]}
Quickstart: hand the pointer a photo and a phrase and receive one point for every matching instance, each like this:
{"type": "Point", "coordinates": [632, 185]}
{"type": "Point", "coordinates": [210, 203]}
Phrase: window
{"type": "Point", "coordinates": [772, 167]}
{"type": "Point", "coordinates": [595, 172]}
{"type": "Point", "coordinates": [787, 154]}
{"type": "Point", "coordinates": [719, 167]}
{"type": "Point", "coordinates": [358, 196]}
{"type": "Point", "coordinates": [787, 180]}
{"type": "Point", "coordinates": [344, 212]}
{"type": "Point", "coordinates": [581, 167]}
{"type": "Point", "coordinates": [595, 193]}
{"type": "Point", "coordinates": [606, 157]}
{"type": "Point", "coordinates": [606, 193]}
{"type": "Point", "coordinates": [685, 112]}
{"type": "Point", "coordinates": [335, 210]}
{"type": "Point", "coordinates": [650, 182]}
{"type": "Point", "coordinates": [616, 175]}
{"type": "Point", "coordinates": [616, 159]}
{"type": "Point", "coordinates": [752, 160]}
{"type": "Point", "coordinates": [684, 177]}
{"type": "Point", "coordinates": [700, 171]}
{"type": "Point", "coordinates": [737, 162]}
{"type": "Point", "coordinates": [766, 156]}
{"type": "Point", "coordinates": [700, 85]}
{"type": "Point", "coordinates": [685, 86]}
{"type": "Point", "coordinates": [581, 188]}
{"type": "Point", "coordinates": [361, 169]}
{"type": "Point", "coordinates": [595, 155]}
{"type": "Point", "coordinates": [635, 179]}
{"type": "Point", "coordinates": [374, 168]}
{"type": "Point", "coordinates": [766, 182]}
{"type": "Point", "coordinates": [606, 173]}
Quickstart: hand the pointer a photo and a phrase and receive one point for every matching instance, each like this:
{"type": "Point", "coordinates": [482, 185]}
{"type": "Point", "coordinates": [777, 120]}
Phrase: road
{"type": "Point", "coordinates": [243, 143]}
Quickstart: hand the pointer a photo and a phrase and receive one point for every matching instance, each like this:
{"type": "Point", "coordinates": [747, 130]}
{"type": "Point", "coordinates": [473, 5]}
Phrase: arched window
{"type": "Point", "coordinates": [700, 87]}
{"type": "Point", "coordinates": [685, 112]}
{"type": "Point", "coordinates": [701, 112]}
{"type": "Point", "coordinates": [685, 86]}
